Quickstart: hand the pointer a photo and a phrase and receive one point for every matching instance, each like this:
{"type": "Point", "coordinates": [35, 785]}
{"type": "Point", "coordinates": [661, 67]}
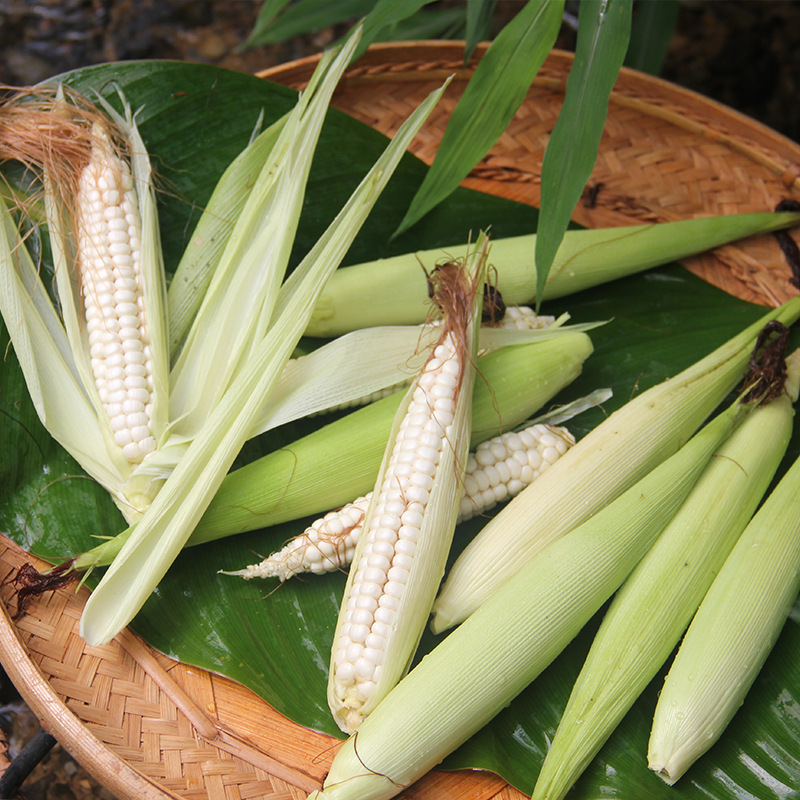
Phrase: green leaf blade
{"type": "Point", "coordinates": [603, 31]}
{"type": "Point", "coordinates": [494, 93]}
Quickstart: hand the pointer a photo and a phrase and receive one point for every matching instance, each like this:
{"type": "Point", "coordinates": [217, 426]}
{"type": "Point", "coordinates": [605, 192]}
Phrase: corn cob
{"type": "Point", "coordinates": [731, 635]}
{"type": "Point", "coordinates": [499, 469]}
{"type": "Point", "coordinates": [634, 438]}
{"type": "Point", "coordinates": [108, 250]}
{"type": "Point", "coordinates": [409, 523]}
{"type": "Point", "coordinates": [652, 609]}
{"type": "Point", "coordinates": [398, 291]}
{"type": "Point", "coordinates": [482, 665]}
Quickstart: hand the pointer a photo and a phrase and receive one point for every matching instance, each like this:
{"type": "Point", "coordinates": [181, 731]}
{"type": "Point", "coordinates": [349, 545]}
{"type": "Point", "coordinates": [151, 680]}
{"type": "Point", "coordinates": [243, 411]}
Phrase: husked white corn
{"type": "Point", "coordinates": [503, 466]}
{"type": "Point", "coordinates": [327, 545]}
{"type": "Point", "coordinates": [386, 559]}
{"type": "Point", "coordinates": [499, 469]}
{"type": "Point", "coordinates": [108, 235]}
{"type": "Point", "coordinates": [524, 318]}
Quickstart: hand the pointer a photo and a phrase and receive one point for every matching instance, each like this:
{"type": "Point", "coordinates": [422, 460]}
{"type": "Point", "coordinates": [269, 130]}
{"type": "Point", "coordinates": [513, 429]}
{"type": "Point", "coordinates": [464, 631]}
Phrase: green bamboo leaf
{"type": "Point", "coordinates": [493, 95]}
{"type": "Point", "coordinates": [384, 15]}
{"type": "Point", "coordinates": [479, 24]}
{"type": "Point", "coordinates": [266, 16]}
{"type": "Point", "coordinates": [603, 31]}
{"type": "Point", "coordinates": [302, 18]}
{"type": "Point", "coordinates": [651, 32]}
{"type": "Point", "coordinates": [434, 23]}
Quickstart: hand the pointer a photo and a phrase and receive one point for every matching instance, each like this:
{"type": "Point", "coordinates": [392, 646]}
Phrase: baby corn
{"type": "Point", "coordinates": [655, 604]}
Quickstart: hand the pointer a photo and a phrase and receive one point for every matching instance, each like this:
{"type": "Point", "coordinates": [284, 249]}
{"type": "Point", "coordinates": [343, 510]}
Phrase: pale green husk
{"type": "Point", "coordinates": [731, 635]}
{"type": "Point", "coordinates": [393, 291]}
{"type": "Point", "coordinates": [656, 603]}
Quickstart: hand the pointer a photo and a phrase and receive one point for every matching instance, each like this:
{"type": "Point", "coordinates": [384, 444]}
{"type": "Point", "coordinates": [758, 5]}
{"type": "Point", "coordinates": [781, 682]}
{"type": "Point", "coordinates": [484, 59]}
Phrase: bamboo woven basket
{"type": "Point", "coordinates": [150, 728]}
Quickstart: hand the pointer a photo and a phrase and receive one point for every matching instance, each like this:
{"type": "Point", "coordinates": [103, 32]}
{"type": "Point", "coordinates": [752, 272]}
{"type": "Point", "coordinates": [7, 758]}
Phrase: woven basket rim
{"type": "Point", "coordinates": [631, 84]}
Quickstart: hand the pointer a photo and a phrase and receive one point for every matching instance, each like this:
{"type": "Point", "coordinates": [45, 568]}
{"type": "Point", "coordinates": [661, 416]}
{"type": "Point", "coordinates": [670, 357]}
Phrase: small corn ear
{"type": "Point", "coordinates": [655, 604]}
{"type": "Point", "coordinates": [731, 635]}
{"type": "Point", "coordinates": [409, 524]}
{"type": "Point", "coordinates": [398, 292]}
{"type": "Point", "coordinates": [482, 665]}
{"type": "Point", "coordinates": [632, 440]}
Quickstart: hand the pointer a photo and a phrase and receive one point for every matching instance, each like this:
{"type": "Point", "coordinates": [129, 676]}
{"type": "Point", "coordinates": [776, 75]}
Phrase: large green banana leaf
{"type": "Point", "coordinates": [194, 119]}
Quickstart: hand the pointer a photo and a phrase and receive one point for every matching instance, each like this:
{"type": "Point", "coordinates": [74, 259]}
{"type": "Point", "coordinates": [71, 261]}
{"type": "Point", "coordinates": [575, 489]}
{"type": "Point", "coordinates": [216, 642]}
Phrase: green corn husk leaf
{"type": "Point", "coordinates": [393, 291]}
{"type": "Point", "coordinates": [662, 322]}
{"type": "Point", "coordinates": [209, 239]}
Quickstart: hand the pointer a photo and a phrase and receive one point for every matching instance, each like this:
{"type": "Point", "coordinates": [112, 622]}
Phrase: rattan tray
{"type": "Point", "coordinates": [147, 727]}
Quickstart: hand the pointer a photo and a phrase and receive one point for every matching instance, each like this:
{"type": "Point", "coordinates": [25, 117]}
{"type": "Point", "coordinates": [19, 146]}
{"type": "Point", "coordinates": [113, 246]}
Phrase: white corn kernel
{"type": "Point", "coordinates": [108, 247]}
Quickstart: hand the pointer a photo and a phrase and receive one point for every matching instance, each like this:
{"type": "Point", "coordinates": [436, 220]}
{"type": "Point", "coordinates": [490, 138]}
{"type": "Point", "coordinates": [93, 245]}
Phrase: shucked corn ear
{"type": "Point", "coordinates": [731, 635]}
{"type": "Point", "coordinates": [97, 375]}
{"type": "Point", "coordinates": [409, 523]}
{"type": "Point", "coordinates": [499, 469]}
{"type": "Point", "coordinates": [295, 481]}
{"type": "Point", "coordinates": [655, 604]}
{"type": "Point", "coordinates": [603, 464]}
{"type": "Point", "coordinates": [482, 665]}
{"type": "Point", "coordinates": [393, 291]}
{"type": "Point", "coordinates": [109, 266]}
